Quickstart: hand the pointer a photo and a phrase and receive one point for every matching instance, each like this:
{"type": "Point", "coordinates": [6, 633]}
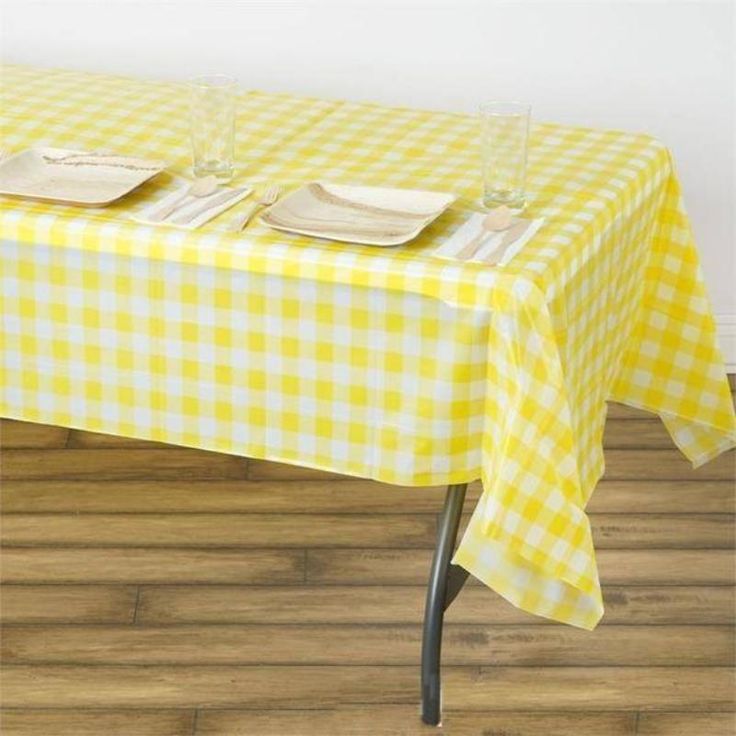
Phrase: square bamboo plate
{"type": "Point", "coordinates": [357, 214]}
{"type": "Point", "coordinates": [73, 177]}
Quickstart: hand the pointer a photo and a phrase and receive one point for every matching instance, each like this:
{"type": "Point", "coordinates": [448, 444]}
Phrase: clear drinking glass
{"type": "Point", "coordinates": [504, 135]}
{"type": "Point", "coordinates": [213, 125]}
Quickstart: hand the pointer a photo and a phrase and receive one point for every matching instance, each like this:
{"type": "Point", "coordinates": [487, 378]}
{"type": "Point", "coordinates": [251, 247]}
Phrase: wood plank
{"type": "Point", "coordinates": [637, 434]}
{"type": "Point", "coordinates": [345, 496]}
{"type": "Point", "coordinates": [96, 722]}
{"type": "Point", "coordinates": [82, 439]}
{"type": "Point", "coordinates": [616, 567]}
{"type": "Point", "coordinates": [55, 686]}
{"type": "Point", "coordinates": [367, 644]}
{"type": "Point", "coordinates": [622, 411]}
{"type": "Point", "coordinates": [231, 530]}
{"type": "Point", "coordinates": [687, 724]}
{"type": "Point", "coordinates": [590, 688]}
{"type": "Point", "coordinates": [610, 531]}
{"type": "Point", "coordinates": [129, 565]}
{"type": "Point", "coordinates": [465, 688]}
{"type": "Point", "coordinates": [339, 604]}
{"type": "Point", "coordinates": [227, 496]}
{"type": "Point", "coordinates": [647, 531]}
{"type": "Point", "coordinates": [400, 720]}
{"type": "Point", "coordinates": [16, 434]}
{"type": "Point", "coordinates": [98, 465]}
{"type": "Point", "coordinates": [667, 496]}
{"type": "Point", "coordinates": [669, 604]}
{"type": "Point", "coordinates": [265, 470]}
{"type": "Point", "coordinates": [93, 604]}
{"type": "Point", "coordinates": [666, 465]}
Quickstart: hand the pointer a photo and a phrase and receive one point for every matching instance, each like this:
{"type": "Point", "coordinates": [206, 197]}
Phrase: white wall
{"type": "Point", "coordinates": [663, 67]}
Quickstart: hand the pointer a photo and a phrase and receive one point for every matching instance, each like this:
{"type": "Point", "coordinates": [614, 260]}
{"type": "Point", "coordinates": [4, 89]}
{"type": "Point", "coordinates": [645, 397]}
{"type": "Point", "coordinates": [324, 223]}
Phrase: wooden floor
{"type": "Point", "coordinates": [153, 590]}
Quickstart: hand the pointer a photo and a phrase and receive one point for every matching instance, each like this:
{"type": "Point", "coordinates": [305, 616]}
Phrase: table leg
{"type": "Point", "coordinates": [445, 582]}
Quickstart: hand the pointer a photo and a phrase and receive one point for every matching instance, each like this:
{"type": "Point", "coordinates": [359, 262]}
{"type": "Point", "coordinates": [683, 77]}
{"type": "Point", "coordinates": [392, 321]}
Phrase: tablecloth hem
{"type": "Point", "coordinates": [720, 440]}
{"type": "Point", "coordinates": [724, 439]}
{"type": "Point", "coordinates": [550, 567]}
{"type": "Point", "coordinates": [706, 457]}
{"type": "Point", "coordinates": [585, 617]}
{"type": "Point", "coordinates": [416, 480]}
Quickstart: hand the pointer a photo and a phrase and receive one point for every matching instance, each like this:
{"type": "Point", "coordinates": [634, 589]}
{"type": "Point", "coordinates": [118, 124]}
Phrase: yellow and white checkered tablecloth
{"type": "Point", "coordinates": [388, 364]}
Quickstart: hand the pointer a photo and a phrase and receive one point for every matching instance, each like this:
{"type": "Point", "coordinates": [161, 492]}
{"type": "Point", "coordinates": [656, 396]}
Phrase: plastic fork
{"type": "Point", "coordinates": [269, 195]}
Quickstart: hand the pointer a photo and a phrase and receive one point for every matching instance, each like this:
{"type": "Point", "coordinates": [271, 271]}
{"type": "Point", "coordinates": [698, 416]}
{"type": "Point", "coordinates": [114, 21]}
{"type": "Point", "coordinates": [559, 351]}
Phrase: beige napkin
{"type": "Point", "coordinates": [195, 211]}
{"type": "Point", "coordinates": [471, 227]}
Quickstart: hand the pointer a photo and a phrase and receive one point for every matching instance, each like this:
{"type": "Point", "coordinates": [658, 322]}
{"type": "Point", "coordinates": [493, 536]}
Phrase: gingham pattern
{"type": "Point", "coordinates": [387, 364]}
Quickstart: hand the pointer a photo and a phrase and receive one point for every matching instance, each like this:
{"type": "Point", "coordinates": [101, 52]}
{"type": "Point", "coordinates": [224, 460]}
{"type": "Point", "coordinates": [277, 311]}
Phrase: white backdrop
{"type": "Point", "coordinates": [664, 67]}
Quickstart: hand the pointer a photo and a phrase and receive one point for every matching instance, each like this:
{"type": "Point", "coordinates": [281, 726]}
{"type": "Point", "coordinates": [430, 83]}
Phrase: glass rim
{"type": "Point", "coordinates": [505, 108]}
{"type": "Point", "coordinates": [212, 81]}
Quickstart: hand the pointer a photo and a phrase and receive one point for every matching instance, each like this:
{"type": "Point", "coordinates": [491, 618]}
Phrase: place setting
{"type": "Point", "coordinates": [349, 214]}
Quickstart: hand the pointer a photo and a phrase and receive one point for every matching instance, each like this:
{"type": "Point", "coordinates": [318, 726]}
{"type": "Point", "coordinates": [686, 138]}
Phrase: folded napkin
{"type": "Point", "coordinates": [470, 229]}
{"type": "Point", "coordinates": [195, 211]}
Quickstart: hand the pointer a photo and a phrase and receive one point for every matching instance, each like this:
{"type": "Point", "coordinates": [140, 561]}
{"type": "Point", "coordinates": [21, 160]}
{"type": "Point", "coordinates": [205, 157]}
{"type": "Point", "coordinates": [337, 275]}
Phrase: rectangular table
{"type": "Point", "coordinates": [380, 363]}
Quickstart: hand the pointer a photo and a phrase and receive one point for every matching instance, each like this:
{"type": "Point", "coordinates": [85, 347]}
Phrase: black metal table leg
{"type": "Point", "coordinates": [445, 582]}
